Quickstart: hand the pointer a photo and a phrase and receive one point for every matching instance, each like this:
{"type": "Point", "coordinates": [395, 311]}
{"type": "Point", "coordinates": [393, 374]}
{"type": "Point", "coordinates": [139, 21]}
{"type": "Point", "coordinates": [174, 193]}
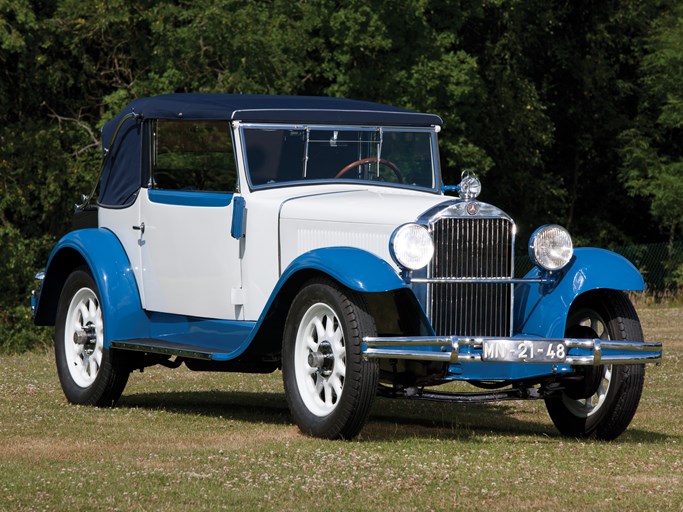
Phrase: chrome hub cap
{"type": "Point", "coordinates": [323, 359]}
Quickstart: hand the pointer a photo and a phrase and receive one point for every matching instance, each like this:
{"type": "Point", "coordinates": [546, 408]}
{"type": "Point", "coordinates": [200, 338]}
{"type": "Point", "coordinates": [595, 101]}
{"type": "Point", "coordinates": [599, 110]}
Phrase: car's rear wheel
{"type": "Point", "coordinates": [330, 388]}
{"type": "Point", "coordinates": [604, 402]}
{"type": "Point", "coordinates": [89, 373]}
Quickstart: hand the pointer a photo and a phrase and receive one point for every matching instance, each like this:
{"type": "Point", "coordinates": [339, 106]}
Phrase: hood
{"type": "Point", "coordinates": [361, 207]}
{"type": "Point", "coordinates": [363, 219]}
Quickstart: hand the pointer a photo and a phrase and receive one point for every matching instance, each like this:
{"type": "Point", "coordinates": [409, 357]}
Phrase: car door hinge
{"type": "Point", "coordinates": [237, 296]}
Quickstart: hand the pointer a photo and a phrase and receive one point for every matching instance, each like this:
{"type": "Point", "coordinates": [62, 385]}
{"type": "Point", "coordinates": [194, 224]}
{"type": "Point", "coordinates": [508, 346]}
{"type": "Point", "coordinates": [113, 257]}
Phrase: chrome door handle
{"type": "Point", "coordinates": [140, 228]}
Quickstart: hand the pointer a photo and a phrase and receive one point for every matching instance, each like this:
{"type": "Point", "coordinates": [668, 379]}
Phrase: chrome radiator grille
{"type": "Point", "coordinates": [471, 248]}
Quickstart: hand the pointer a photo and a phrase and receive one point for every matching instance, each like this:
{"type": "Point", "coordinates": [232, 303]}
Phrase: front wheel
{"type": "Point", "coordinates": [329, 387]}
{"type": "Point", "coordinates": [89, 373]}
{"type": "Point", "coordinates": [604, 402]}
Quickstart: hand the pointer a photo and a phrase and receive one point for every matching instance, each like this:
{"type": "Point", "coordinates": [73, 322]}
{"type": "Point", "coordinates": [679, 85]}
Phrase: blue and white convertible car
{"type": "Point", "coordinates": [312, 235]}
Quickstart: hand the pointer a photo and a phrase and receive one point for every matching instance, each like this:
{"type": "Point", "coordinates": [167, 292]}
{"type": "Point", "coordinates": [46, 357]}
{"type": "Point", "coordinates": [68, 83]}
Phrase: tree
{"type": "Point", "coordinates": [563, 106]}
{"type": "Point", "coordinates": [652, 153]}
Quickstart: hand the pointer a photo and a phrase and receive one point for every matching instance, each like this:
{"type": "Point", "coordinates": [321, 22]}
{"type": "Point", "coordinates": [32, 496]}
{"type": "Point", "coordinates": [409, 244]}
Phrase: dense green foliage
{"type": "Point", "coordinates": [572, 111]}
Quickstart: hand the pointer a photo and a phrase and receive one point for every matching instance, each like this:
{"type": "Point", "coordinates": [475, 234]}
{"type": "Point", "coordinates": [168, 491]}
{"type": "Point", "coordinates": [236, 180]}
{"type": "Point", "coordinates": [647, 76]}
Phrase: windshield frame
{"type": "Point", "coordinates": [379, 129]}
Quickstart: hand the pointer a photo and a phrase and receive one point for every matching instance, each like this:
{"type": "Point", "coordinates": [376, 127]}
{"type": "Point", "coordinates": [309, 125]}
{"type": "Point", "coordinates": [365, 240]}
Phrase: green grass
{"type": "Point", "coordinates": [180, 440]}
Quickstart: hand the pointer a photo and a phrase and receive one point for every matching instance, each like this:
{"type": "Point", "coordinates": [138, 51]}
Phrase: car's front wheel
{"type": "Point", "coordinates": [604, 401]}
{"type": "Point", "coordinates": [89, 373]}
{"type": "Point", "coordinates": [330, 388]}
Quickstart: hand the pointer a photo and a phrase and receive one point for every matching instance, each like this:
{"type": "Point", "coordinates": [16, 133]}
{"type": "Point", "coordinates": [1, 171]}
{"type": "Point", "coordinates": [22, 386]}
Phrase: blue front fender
{"type": "Point", "coordinates": [542, 310]}
{"type": "Point", "coordinates": [354, 268]}
{"type": "Point", "coordinates": [102, 252]}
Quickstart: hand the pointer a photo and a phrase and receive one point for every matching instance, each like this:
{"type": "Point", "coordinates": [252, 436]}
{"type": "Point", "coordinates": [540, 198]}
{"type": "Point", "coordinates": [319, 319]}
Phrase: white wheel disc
{"type": "Point", "coordinates": [320, 359]}
{"type": "Point", "coordinates": [586, 407]}
{"type": "Point", "coordinates": [84, 324]}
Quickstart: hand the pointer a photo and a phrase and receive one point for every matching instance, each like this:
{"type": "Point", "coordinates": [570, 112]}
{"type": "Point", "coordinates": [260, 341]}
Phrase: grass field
{"type": "Point", "coordinates": [196, 441]}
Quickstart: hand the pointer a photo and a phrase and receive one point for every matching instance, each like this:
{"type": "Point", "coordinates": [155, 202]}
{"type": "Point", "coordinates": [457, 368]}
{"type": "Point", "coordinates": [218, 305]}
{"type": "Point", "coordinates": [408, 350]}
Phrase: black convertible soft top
{"type": "Point", "coordinates": [122, 174]}
{"type": "Point", "coordinates": [286, 109]}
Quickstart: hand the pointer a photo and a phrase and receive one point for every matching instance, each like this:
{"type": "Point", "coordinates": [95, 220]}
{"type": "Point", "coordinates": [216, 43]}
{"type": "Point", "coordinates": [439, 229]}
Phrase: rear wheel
{"type": "Point", "coordinates": [89, 373]}
{"type": "Point", "coordinates": [604, 402]}
{"type": "Point", "coordinates": [330, 388]}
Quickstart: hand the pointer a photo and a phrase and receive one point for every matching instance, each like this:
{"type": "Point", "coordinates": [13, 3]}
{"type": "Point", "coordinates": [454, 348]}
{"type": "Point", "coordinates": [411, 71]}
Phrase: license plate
{"type": "Point", "coordinates": [524, 351]}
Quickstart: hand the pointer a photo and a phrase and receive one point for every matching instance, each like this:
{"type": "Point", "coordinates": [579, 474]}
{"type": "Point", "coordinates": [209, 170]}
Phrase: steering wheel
{"type": "Point", "coordinates": [391, 165]}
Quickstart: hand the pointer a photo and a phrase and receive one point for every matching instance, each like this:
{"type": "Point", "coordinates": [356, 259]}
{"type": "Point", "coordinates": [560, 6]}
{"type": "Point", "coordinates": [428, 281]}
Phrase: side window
{"type": "Point", "coordinates": [192, 156]}
{"type": "Point", "coordinates": [275, 156]}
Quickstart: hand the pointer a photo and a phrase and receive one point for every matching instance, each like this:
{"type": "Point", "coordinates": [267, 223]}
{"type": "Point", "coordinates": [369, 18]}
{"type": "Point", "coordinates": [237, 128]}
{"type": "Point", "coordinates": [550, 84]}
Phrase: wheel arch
{"type": "Point", "coordinates": [357, 269]}
{"type": "Point", "coordinates": [61, 264]}
{"type": "Point", "coordinates": [542, 310]}
{"type": "Point", "coordinates": [101, 252]}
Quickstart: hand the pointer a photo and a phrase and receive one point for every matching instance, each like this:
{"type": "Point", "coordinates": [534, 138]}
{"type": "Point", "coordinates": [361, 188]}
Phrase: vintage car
{"type": "Point", "coordinates": [253, 233]}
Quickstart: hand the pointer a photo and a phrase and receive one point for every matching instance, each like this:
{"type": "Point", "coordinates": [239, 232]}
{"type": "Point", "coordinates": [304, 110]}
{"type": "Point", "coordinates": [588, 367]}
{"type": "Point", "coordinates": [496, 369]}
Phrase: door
{"type": "Point", "coordinates": [190, 262]}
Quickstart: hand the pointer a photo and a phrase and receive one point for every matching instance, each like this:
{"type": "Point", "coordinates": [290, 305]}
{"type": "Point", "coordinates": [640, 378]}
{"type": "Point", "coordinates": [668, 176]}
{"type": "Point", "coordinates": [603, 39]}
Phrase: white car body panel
{"type": "Point", "coordinates": [200, 270]}
{"type": "Point", "coordinates": [121, 221]}
{"type": "Point", "coordinates": [187, 263]}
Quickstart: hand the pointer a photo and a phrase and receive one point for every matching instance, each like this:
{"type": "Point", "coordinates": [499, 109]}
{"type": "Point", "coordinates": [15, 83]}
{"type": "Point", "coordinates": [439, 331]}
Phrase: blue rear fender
{"type": "Point", "coordinates": [541, 310]}
{"type": "Point", "coordinates": [110, 267]}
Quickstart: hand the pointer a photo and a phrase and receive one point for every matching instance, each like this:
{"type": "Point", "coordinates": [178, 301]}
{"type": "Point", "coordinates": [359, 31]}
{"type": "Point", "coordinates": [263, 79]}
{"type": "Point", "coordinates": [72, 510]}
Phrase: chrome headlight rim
{"type": "Point", "coordinates": [411, 246]}
{"type": "Point", "coordinates": [551, 247]}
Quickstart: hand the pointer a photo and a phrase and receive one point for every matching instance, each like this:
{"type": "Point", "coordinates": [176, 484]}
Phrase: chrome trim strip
{"type": "Point", "coordinates": [403, 347]}
{"type": "Point", "coordinates": [456, 209]}
{"type": "Point", "coordinates": [339, 127]}
{"type": "Point", "coordinates": [650, 357]}
{"type": "Point", "coordinates": [512, 273]}
{"type": "Point", "coordinates": [442, 357]}
{"type": "Point", "coordinates": [488, 280]}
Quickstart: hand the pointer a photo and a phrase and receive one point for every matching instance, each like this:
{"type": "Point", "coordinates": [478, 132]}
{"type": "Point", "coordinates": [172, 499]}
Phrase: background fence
{"type": "Point", "coordinates": [660, 264]}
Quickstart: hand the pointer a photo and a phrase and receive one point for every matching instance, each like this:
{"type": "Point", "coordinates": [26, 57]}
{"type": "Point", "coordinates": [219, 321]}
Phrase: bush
{"type": "Point", "coordinates": [18, 334]}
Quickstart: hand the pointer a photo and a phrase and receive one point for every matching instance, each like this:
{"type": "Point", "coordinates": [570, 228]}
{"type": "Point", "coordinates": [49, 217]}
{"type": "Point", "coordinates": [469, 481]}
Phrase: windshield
{"type": "Point", "coordinates": [277, 155]}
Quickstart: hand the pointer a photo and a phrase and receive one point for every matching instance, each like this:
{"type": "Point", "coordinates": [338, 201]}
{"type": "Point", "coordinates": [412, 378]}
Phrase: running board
{"type": "Point", "coordinates": [154, 346]}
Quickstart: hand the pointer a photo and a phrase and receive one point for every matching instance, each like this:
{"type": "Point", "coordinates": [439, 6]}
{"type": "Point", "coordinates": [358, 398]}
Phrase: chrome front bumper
{"type": "Point", "coordinates": [454, 349]}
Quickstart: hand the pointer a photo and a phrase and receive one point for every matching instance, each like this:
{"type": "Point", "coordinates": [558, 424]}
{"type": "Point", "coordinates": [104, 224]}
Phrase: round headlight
{"type": "Point", "coordinates": [411, 246]}
{"type": "Point", "coordinates": [550, 247]}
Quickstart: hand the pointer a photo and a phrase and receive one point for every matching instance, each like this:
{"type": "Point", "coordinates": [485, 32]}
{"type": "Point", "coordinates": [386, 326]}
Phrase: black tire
{"type": "Point", "coordinates": [329, 387]}
{"type": "Point", "coordinates": [613, 391]}
{"type": "Point", "coordinates": [89, 373]}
